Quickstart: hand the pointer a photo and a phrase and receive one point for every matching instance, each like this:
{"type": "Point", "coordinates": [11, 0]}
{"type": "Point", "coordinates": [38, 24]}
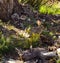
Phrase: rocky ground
{"type": "Point", "coordinates": [48, 26]}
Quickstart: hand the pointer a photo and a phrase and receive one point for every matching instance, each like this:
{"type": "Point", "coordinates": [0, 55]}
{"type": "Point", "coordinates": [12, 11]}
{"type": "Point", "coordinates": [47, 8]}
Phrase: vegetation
{"type": "Point", "coordinates": [44, 6]}
{"type": "Point", "coordinates": [49, 9]}
{"type": "Point", "coordinates": [58, 61]}
{"type": "Point", "coordinates": [23, 41]}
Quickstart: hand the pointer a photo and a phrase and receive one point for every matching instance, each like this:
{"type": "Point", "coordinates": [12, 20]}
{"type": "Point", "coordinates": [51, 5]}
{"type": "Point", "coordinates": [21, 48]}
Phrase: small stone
{"type": "Point", "coordinates": [58, 52]}
{"type": "Point", "coordinates": [48, 54]}
{"type": "Point", "coordinates": [59, 37]}
{"type": "Point", "coordinates": [31, 61]}
{"type": "Point", "coordinates": [14, 61]}
{"type": "Point", "coordinates": [10, 62]}
{"type": "Point", "coordinates": [18, 61]}
{"type": "Point", "coordinates": [15, 16]}
{"type": "Point", "coordinates": [43, 20]}
{"type": "Point", "coordinates": [52, 23]}
{"type": "Point", "coordinates": [23, 17]}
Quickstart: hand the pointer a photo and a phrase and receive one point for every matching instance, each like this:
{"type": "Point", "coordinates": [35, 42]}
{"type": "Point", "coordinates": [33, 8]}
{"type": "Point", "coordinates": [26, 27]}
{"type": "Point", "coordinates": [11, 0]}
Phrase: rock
{"type": "Point", "coordinates": [30, 61]}
{"type": "Point", "coordinates": [23, 17]}
{"type": "Point", "coordinates": [58, 52]}
{"type": "Point", "coordinates": [14, 61]}
{"type": "Point", "coordinates": [59, 37]}
{"type": "Point", "coordinates": [47, 54]}
{"type": "Point", "coordinates": [15, 17]}
{"type": "Point", "coordinates": [38, 53]}
{"type": "Point", "coordinates": [10, 62]}
{"type": "Point", "coordinates": [34, 53]}
{"type": "Point", "coordinates": [18, 61]}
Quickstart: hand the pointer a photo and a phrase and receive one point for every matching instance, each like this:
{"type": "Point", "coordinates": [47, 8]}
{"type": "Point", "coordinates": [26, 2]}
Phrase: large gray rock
{"type": "Point", "coordinates": [38, 53]}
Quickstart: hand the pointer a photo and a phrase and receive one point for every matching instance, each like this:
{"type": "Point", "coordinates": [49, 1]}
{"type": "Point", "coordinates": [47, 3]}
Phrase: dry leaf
{"type": "Point", "coordinates": [38, 22]}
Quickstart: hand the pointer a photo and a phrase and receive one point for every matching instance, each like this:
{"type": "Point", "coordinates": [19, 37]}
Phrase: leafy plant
{"type": "Point", "coordinates": [44, 6]}
{"type": "Point", "coordinates": [52, 9]}
{"type": "Point", "coordinates": [33, 40]}
{"type": "Point", "coordinates": [25, 43]}
{"type": "Point", "coordinates": [42, 9]}
{"type": "Point", "coordinates": [58, 61]}
{"type": "Point", "coordinates": [5, 43]}
{"type": "Point", "coordinates": [34, 3]}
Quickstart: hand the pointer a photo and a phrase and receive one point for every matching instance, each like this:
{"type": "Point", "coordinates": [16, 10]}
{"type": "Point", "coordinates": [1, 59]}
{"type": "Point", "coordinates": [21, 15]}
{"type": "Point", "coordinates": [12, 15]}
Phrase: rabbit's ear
{"type": "Point", "coordinates": [6, 7]}
{"type": "Point", "coordinates": [9, 7]}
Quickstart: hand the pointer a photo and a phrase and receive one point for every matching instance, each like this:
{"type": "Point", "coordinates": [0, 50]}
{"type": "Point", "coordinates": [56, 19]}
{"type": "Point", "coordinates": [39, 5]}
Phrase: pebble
{"type": "Point", "coordinates": [58, 52]}
{"type": "Point", "coordinates": [14, 61]}
{"type": "Point", "coordinates": [59, 37]}
{"type": "Point", "coordinates": [10, 61]}
{"type": "Point", "coordinates": [30, 62]}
